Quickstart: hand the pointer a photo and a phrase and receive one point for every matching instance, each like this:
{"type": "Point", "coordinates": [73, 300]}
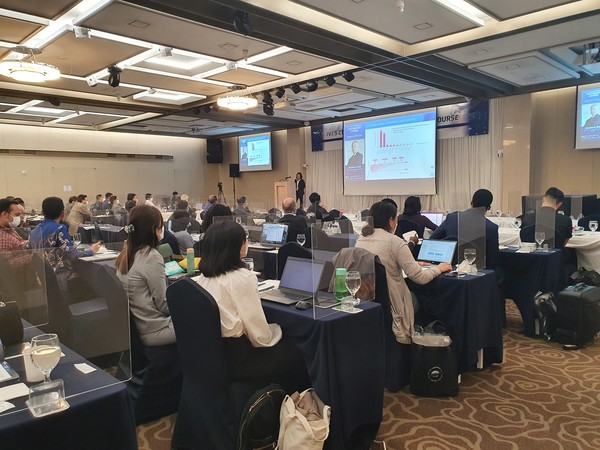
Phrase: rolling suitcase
{"type": "Point", "coordinates": [577, 318]}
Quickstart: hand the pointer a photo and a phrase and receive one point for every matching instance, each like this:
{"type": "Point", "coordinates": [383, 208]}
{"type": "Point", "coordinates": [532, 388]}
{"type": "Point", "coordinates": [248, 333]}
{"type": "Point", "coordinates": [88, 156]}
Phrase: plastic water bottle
{"type": "Point", "coordinates": [190, 261]}
{"type": "Point", "coordinates": [340, 284]}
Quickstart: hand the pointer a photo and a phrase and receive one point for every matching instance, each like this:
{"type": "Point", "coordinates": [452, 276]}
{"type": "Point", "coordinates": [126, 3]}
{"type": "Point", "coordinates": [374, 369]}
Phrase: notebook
{"type": "Point", "coordinates": [273, 235]}
{"type": "Point", "coordinates": [299, 281]}
{"type": "Point", "coordinates": [435, 251]}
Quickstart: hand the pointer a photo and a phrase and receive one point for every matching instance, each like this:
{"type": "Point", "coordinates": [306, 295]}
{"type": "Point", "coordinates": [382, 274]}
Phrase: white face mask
{"type": "Point", "coordinates": [15, 222]}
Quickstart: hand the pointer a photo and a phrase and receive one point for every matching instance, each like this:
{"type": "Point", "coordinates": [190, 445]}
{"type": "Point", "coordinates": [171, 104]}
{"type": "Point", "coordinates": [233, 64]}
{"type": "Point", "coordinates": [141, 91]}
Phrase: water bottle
{"type": "Point", "coordinates": [340, 284]}
{"type": "Point", "coordinates": [190, 261]}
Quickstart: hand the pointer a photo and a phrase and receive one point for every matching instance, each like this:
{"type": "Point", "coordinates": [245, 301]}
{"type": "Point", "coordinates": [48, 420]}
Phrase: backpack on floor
{"type": "Point", "coordinates": [259, 426]}
{"type": "Point", "coordinates": [545, 314]}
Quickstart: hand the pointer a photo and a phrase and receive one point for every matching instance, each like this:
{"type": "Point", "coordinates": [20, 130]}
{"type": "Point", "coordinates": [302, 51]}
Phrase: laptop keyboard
{"type": "Point", "coordinates": [290, 295]}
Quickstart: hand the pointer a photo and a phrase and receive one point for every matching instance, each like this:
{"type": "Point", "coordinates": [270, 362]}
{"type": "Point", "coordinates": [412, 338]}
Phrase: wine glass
{"type": "Point", "coordinates": [540, 237]}
{"type": "Point", "coordinates": [238, 220]}
{"type": "Point", "coordinates": [249, 263]}
{"type": "Point", "coordinates": [301, 239]}
{"type": "Point", "coordinates": [518, 222]}
{"type": "Point", "coordinates": [77, 239]}
{"type": "Point", "coordinates": [246, 231]}
{"type": "Point", "coordinates": [593, 225]}
{"type": "Point", "coordinates": [470, 255]}
{"type": "Point", "coordinates": [353, 284]}
{"type": "Point", "coordinates": [45, 353]}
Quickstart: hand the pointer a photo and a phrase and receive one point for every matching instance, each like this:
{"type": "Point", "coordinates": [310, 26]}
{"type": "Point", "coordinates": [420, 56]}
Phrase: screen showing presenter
{"type": "Point", "coordinates": [356, 159]}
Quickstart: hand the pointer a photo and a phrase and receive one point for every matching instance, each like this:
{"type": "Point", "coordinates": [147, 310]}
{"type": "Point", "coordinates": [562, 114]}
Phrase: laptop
{"type": "Point", "coordinates": [273, 236]}
{"type": "Point", "coordinates": [434, 251]}
{"type": "Point", "coordinates": [300, 280]}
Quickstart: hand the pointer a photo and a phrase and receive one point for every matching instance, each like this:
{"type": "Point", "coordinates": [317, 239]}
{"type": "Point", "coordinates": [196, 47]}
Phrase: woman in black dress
{"type": "Point", "coordinates": [300, 188]}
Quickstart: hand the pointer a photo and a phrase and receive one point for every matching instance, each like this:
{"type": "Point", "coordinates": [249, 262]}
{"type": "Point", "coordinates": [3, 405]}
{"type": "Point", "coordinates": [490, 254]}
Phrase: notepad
{"type": "Point", "coordinates": [13, 391]}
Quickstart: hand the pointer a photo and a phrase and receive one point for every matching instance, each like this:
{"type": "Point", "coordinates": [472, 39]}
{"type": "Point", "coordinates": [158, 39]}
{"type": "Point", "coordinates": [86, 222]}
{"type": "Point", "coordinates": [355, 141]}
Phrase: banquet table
{"type": "Point", "coordinates": [503, 222]}
{"type": "Point", "coordinates": [527, 273]}
{"type": "Point", "coordinates": [110, 233]}
{"type": "Point", "coordinates": [345, 360]}
{"type": "Point", "coordinates": [469, 307]}
{"type": "Point", "coordinates": [99, 416]}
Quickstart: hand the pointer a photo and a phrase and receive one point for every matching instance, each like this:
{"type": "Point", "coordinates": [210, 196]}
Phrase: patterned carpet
{"type": "Point", "coordinates": [542, 397]}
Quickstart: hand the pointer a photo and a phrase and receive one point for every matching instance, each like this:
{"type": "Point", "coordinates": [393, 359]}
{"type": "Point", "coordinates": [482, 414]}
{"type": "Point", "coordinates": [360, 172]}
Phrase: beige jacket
{"type": "Point", "coordinates": [78, 215]}
{"type": "Point", "coordinates": [396, 257]}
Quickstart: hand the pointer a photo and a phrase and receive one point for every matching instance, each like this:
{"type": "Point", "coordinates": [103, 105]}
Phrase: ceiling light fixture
{"type": "Point", "coordinates": [348, 76]}
{"type": "Point", "coordinates": [295, 88]}
{"type": "Point", "coordinates": [236, 100]}
{"type": "Point", "coordinates": [267, 97]}
{"type": "Point", "coordinates": [280, 92]}
{"type": "Point", "coordinates": [268, 109]}
{"type": "Point", "coordinates": [400, 5]}
{"type": "Point", "coordinates": [312, 85]}
{"type": "Point", "coordinates": [114, 77]}
{"type": "Point", "coordinates": [28, 71]}
{"type": "Point", "coordinates": [329, 80]}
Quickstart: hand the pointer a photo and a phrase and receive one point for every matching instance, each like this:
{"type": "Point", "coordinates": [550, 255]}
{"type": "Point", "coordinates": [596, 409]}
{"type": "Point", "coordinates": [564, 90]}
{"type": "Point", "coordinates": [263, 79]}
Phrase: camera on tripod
{"type": "Point", "coordinates": [220, 186]}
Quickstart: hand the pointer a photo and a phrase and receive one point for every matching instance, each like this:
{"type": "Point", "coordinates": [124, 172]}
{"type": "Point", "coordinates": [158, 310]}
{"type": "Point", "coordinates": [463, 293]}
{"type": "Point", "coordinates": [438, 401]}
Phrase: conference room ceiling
{"type": "Point", "coordinates": [178, 57]}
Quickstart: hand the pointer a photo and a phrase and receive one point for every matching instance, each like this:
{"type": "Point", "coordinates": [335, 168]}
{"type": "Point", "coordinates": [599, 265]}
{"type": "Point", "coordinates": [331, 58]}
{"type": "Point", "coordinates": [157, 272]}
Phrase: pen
{"type": "Point", "coordinates": [266, 289]}
{"type": "Point", "coordinates": [262, 283]}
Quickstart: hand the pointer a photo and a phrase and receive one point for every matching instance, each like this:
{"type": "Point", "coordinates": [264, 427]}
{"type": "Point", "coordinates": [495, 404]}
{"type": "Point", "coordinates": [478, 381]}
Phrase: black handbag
{"type": "Point", "coordinates": [11, 327]}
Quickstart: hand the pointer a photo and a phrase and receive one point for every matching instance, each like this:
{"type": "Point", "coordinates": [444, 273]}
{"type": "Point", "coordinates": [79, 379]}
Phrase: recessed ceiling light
{"type": "Point", "coordinates": [228, 46]}
{"type": "Point", "coordinates": [423, 26]}
{"type": "Point", "coordinates": [138, 24]}
{"type": "Point", "coordinates": [294, 62]}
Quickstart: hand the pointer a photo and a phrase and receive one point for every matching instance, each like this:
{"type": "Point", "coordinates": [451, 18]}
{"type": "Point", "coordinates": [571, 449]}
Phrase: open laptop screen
{"type": "Point", "coordinates": [274, 233]}
{"type": "Point", "coordinates": [302, 274]}
{"type": "Point", "coordinates": [437, 251]}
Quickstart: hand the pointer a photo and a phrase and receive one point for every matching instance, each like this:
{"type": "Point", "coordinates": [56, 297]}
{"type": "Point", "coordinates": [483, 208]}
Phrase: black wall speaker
{"type": "Point", "coordinates": [234, 170]}
{"type": "Point", "coordinates": [214, 151]}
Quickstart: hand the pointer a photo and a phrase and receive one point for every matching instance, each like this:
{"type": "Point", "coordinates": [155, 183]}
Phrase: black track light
{"type": "Point", "coordinates": [196, 110]}
{"type": "Point", "coordinates": [267, 97]}
{"type": "Point", "coordinates": [312, 85]}
{"type": "Point", "coordinates": [114, 77]}
{"type": "Point", "coordinates": [280, 92]}
{"type": "Point", "coordinates": [348, 76]}
{"type": "Point", "coordinates": [295, 88]}
{"type": "Point", "coordinates": [329, 80]}
{"type": "Point", "coordinates": [268, 109]}
{"type": "Point", "coordinates": [205, 109]}
{"type": "Point", "coordinates": [241, 23]}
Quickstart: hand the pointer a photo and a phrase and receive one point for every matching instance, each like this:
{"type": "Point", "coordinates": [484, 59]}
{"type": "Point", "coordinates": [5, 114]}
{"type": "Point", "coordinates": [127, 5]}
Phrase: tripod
{"type": "Point", "coordinates": [220, 195]}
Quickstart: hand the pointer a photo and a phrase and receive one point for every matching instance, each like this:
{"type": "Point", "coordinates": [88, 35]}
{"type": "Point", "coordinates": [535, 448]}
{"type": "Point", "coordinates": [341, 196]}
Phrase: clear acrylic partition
{"type": "Point", "coordinates": [545, 219]}
{"type": "Point", "coordinates": [576, 212]}
{"type": "Point", "coordinates": [514, 204]}
{"type": "Point", "coordinates": [531, 203]}
{"type": "Point", "coordinates": [471, 236]}
{"type": "Point", "coordinates": [86, 306]}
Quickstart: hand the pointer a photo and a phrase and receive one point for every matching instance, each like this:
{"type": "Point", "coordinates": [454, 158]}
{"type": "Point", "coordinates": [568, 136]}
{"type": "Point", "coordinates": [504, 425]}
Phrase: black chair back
{"type": "Point", "coordinates": [287, 250]}
{"type": "Point", "coordinates": [345, 225]}
{"type": "Point", "coordinates": [527, 234]}
{"type": "Point", "coordinates": [169, 238]}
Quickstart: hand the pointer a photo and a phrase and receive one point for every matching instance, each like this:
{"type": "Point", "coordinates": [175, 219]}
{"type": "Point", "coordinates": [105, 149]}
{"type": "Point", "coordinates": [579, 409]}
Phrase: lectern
{"type": "Point", "coordinates": [282, 190]}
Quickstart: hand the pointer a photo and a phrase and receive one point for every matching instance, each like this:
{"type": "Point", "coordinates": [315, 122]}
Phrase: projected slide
{"type": "Point", "coordinates": [588, 117]}
{"type": "Point", "coordinates": [255, 152]}
{"type": "Point", "coordinates": [390, 154]}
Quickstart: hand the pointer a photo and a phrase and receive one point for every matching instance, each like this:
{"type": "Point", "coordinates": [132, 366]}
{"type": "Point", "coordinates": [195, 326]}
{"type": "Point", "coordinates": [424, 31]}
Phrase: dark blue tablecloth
{"type": "Point", "coordinates": [527, 273]}
{"type": "Point", "coordinates": [345, 361]}
{"type": "Point", "coordinates": [99, 416]}
{"type": "Point", "coordinates": [469, 308]}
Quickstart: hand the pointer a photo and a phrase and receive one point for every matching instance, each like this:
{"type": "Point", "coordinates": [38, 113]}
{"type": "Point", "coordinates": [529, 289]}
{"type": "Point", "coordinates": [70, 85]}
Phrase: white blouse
{"type": "Point", "coordinates": [236, 294]}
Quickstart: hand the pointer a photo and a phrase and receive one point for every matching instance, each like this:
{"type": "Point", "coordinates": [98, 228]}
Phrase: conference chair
{"type": "Point", "coordinates": [287, 250]}
{"type": "Point", "coordinates": [166, 252]}
{"type": "Point", "coordinates": [585, 221]}
{"type": "Point", "coordinates": [345, 225]}
{"type": "Point", "coordinates": [211, 403]}
{"type": "Point", "coordinates": [527, 234]}
{"type": "Point", "coordinates": [155, 384]}
{"type": "Point", "coordinates": [406, 225]}
{"type": "Point", "coordinates": [169, 238]}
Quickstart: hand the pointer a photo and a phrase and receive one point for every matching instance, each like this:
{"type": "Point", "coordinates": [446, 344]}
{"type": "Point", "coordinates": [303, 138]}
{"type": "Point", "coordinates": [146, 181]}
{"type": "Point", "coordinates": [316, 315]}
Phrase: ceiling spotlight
{"type": "Point", "coordinates": [268, 109]}
{"type": "Point", "coordinates": [114, 78]}
{"type": "Point", "coordinates": [165, 51]}
{"type": "Point", "coordinates": [241, 23]}
{"type": "Point", "coordinates": [280, 92]}
{"type": "Point", "coordinates": [312, 85]}
{"type": "Point", "coordinates": [205, 109]}
{"type": "Point", "coordinates": [54, 101]}
{"type": "Point", "coordinates": [348, 76]}
{"type": "Point", "coordinates": [92, 81]}
{"type": "Point", "coordinates": [196, 110]}
{"type": "Point", "coordinates": [295, 88]}
{"type": "Point", "coordinates": [400, 5]}
{"type": "Point", "coordinates": [267, 97]}
{"type": "Point", "coordinates": [329, 80]}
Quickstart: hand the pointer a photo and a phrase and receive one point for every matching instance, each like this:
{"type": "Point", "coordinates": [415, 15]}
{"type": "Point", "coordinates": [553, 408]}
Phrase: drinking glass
{"type": "Point", "coordinates": [238, 220]}
{"type": "Point", "coordinates": [301, 239]}
{"type": "Point", "coordinates": [593, 225]}
{"type": "Point", "coordinates": [246, 231]}
{"type": "Point", "coordinates": [353, 284]}
{"type": "Point", "coordinates": [470, 255]}
{"type": "Point", "coordinates": [540, 237]}
{"type": "Point", "coordinates": [518, 222]}
{"type": "Point", "coordinates": [77, 239]}
{"type": "Point", "coordinates": [45, 353]}
{"type": "Point", "coordinates": [249, 262]}
{"type": "Point", "coordinates": [498, 213]}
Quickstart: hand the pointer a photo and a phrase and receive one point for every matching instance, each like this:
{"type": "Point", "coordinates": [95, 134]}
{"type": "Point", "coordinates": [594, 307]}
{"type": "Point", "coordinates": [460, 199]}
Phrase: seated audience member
{"type": "Point", "coordinates": [149, 200]}
{"type": "Point", "coordinates": [131, 201]}
{"type": "Point", "coordinates": [79, 214]}
{"type": "Point", "coordinates": [22, 228]}
{"type": "Point", "coordinates": [412, 212]}
{"type": "Point", "coordinates": [141, 269]}
{"type": "Point", "coordinates": [115, 205]}
{"type": "Point", "coordinates": [212, 201]}
{"type": "Point", "coordinates": [480, 204]}
{"type": "Point", "coordinates": [106, 202]}
{"type": "Point", "coordinates": [97, 206]}
{"type": "Point", "coordinates": [551, 202]}
{"type": "Point", "coordinates": [254, 349]}
{"type": "Point", "coordinates": [217, 211]}
{"type": "Point", "coordinates": [180, 221]}
{"type": "Point", "coordinates": [315, 206]}
{"type": "Point", "coordinates": [194, 225]}
{"type": "Point", "coordinates": [69, 207]}
{"type": "Point", "coordinates": [296, 224]}
{"type": "Point", "coordinates": [397, 258]}
{"type": "Point", "coordinates": [242, 208]}
{"type": "Point", "coordinates": [10, 219]}
{"type": "Point", "coordinates": [412, 241]}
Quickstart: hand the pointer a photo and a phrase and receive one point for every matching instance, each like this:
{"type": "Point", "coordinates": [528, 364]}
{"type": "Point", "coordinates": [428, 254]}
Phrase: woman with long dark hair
{"type": "Point", "coordinates": [300, 189]}
{"type": "Point", "coordinates": [141, 269]}
{"type": "Point", "coordinates": [397, 258]}
{"type": "Point", "coordinates": [254, 348]}
{"type": "Point", "coordinates": [412, 212]}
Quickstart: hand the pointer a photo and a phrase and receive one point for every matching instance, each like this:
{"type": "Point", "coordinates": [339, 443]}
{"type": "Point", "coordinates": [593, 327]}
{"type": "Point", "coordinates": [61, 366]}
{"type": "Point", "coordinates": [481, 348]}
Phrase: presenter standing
{"type": "Point", "coordinates": [300, 189]}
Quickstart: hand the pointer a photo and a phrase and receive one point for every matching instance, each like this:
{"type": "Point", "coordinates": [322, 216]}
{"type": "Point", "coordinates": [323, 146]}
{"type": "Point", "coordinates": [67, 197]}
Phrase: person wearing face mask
{"type": "Point", "coordinates": [79, 214]}
{"type": "Point", "coordinates": [397, 258]}
{"type": "Point", "coordinates": [149, 200]}
{"type": "Point", "coordinates": [10, 218]}
{"type": "Point", "coordinates": [141, 269]}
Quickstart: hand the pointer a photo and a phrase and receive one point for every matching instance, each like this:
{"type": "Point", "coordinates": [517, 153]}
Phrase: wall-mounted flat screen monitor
{"type": "Point", "coordinates": [255, 152]}
{"type": "Point", "coordinates": [390, 155]}
{"type": "Point", "coordinates": [587, 127]}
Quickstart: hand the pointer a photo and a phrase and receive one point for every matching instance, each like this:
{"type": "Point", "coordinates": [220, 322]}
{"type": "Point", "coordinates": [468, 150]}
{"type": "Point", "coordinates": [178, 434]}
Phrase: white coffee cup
{"type": "Point", "coordinates": [32, 374]}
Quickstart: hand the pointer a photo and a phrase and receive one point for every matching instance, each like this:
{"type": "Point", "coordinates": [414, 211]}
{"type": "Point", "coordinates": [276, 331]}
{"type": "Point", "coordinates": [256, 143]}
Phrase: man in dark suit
{"type": "Point", "coordinates": [475, 217]}
{"type": "Point", "coordinates": [563, 228]}
{"type": "Point", "coordinates": [357, 158]}
{"type": "Point", "coordinates": [296, 224]}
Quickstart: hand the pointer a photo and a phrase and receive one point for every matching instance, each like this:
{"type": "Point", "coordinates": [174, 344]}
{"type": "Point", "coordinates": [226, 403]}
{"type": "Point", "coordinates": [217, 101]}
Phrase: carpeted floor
{"type": "Point", "coordinates": [541, 398]}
